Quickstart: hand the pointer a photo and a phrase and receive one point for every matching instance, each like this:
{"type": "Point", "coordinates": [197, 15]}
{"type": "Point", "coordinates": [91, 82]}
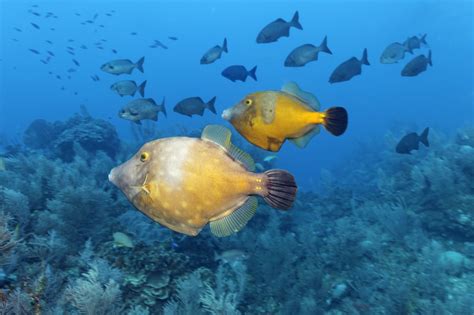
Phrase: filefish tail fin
{"type": "Point", "coordinates": [252, 73]}
{"type": "Point", "coordinates": [141, 88]}
{"type": "Point", "coordinates": [335, 120]}
{"type": "Point", "coordinates": [210, 105]}
{"type": "Point", "coordinates": [424, 137]}
{"type": "Point", "coordinates": [224, 46]}
{"type": "Point", "coordinates": [324, 46]}
{"type": "Point", "coordinates": [364, 59]}
{"type": "Point", "coordinates": [281, 189]}
{"type": "Point", "coordinates": [423, 39]}
{"type": "Point", "coordinates": [295, 21]}
{"type": "Point", "coordinates": [139, 64]}
{"type": "Point", "coordinates": [429, 58]}
{"type": "Point", "coordinates": [162, 107]}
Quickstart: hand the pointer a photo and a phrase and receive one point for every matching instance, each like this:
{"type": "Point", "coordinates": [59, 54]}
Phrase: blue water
{"type": "Point", "coordinates": [383, 106]}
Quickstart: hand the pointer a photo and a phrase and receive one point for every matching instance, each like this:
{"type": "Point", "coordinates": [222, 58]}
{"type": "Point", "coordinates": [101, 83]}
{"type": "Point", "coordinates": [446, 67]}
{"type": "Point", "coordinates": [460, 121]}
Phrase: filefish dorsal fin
{"type": "Point", "coordinates": [217, 134]}
{"type": "Point", "coordinates": [242, 156]}
{"type": "Point", "coordinates": [235, 221]}
{"type": "Point", "coordinates": [303, 141]}
{"type": "Point", "coordinates": [293, 89]}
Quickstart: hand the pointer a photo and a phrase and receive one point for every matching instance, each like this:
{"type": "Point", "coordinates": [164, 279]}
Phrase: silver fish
{"type": "Point", "coordinates": [303, 54]}
{"type": "Point", "coordinates": [393, 53]}
{"type": "Point", "coordinates": [128, 87]}
{"type": "Point", "coordinates": [141, 109]}
{"type": "Point", "coordinates": [278, 28]}
{"type": "Point", "coordinates": [214, 53]}
{"type": "Point", "coordinates": [417, 65]}
{"type": "Point", "coordinates": [122, 66]}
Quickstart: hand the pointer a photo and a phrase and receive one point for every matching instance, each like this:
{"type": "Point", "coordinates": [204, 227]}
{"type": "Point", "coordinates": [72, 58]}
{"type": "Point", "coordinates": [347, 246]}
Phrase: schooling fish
{"type": "Point", "coordinates": [303, 54]}
{"type": "Point", "coordinates": [412, 141]}
{"type": "Point", "coordinates": [417, 65]}
{"type": "Point", "coordinates": [393, 53]}
{"type": "Point", "coordinates": [239, 72]}
{"type": "Point", "coordinates": [414, 42]}
{"type": "Point", "coordinates": [268, 118]}
{"type": "Point", "coordinates": [141, 109]}
{"type": "Point", "coordinates": [349, 68]}
{"type": "Point", "coordinates": [194, 106]}
{"type": "Point", "coordinates": [278, 28]}
{"type": "Point", "coordinates": [128, 87]}
{"type": "Point", "coordinates": [35, 25]}
{"type": "Point", "coordinates": [214, 53]}
{"type": "Point", "coordinates": [185, 183]}
{"type": "Point", "coordinates": [122, 66]}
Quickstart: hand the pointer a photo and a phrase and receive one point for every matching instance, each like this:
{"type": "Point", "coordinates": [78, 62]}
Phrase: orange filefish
{"type": "Point", "coordinates": [268, 118]}
{"type": "Point", "coordinates": [185, 183]}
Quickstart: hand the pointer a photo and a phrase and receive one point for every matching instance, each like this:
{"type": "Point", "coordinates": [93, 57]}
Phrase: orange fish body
{"type": "Point", "coordinates": [268, 118]}
{"type": "Point", "coordinates": [186, 183]}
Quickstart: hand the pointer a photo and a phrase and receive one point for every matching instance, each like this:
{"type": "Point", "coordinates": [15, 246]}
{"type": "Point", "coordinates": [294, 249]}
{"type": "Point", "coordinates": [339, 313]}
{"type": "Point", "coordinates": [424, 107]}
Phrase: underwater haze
{"type": "Point", "coordinates": [381, 221]}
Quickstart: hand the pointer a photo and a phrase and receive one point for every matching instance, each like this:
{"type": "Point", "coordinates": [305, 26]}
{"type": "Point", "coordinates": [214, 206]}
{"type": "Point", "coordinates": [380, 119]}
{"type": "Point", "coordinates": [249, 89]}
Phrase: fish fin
{"type": "Point", "coordinates": [364, 59]}
{"type": "Point", "coordinates": [429, 58]}
{"type": "Point", "coordinates": [303, 141]}
{"type": "Point", "coordinates": [252, 73]}
{"type": "Point", "coordinates": [235, 221]}
{"type": "Point", "coordinates": [281, 189]}
{"type": "Point", "coordinates": [139, 64]}
{"type": "Point", "coordinates": [217, 134]}
{"type": "Point", "coordinates": [423, 39]}
{"type": "Point", "coordinates": [155, 116]}
{"type": "Point", "coordinates": [162, 107]}
{"type": "Point", "coordinates": [210, 105]}
{"type": "Point", "coordinates": [138, 122]}
{"type": "Point", "coordinates": [150, 100]}
{"type": "Point", "coordinates": [424, 137]}
{"type": "Point", "coordinates": [324, 46]}
{"type": "Point", "coordinates": [243, 157]}
{"type": "Point", "coordinates": [224, 45]}
{"type": "Point", "coordinates": [308, 98]}
{"type": "Point", "coordinates": [335, 120]}
{"type": "Point", "coordinates": [295, 21]}
{"type": "Point", "coordinates": [141, 88]}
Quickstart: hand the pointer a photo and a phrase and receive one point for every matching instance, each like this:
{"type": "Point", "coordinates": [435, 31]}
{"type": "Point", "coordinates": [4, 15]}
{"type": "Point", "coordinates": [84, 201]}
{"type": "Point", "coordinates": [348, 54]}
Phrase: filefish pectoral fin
{"type": "Point", "coordinates": [303, 141]}
{"type": "Point", "coordinates": [235, 221]}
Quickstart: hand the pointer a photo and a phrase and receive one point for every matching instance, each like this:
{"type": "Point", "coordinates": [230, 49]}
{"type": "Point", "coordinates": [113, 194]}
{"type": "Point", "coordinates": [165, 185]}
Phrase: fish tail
{"type": "Point", "coordinates": [424, 137]}
{"type": "Point", "coordinates": [335, 120]}
{"type": "Point", "coordinates": [281, 189]}
{"type": "Point", "coordinates": [210, 105]}
{"type": "Point", "coordinates": [139, 64]}
{"type": "Point", "coordinates": [324, 46]}
{"type": "Point", "coordinates": [423, 39]}
{"type": "Point", "coordinates": [141, 88]}
{"type": "Point", "coordinates": [295, 21]}
{"type": "Point", "coordinates": [252, 73]}
{"type": "Point", "coordinates": [364, 59]}
{"type": "Point", "coordinates": [224, 45]}
{"type": "Point", "coordinates": [429, 58]}
{"type": "Point", "coordinates": [162, 106]}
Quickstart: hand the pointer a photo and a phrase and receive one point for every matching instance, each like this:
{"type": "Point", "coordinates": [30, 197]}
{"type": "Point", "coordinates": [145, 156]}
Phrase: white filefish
{"type": "Point", "coordinates": [121, 66]}
{"type": "Point", "coordinates": [128, 87]}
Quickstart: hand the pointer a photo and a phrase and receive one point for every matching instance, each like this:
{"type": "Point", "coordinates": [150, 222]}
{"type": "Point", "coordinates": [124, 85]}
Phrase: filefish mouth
{"type": "Point", "coordinates": [226, 114]}
{"type": "Point", "coordinates": [113, 176]}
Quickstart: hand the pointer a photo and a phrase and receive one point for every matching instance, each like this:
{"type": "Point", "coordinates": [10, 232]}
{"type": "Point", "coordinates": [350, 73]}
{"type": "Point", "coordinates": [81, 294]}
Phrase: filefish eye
{"type": "Point", "coordinates": [144, 156]}
{"type": "Point", "coordinates": [248, 102]}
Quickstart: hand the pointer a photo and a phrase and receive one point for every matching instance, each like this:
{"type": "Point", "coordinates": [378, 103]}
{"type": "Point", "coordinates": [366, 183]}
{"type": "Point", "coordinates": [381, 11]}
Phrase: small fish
{"type": "Point", "coordinates": [35, 25]}
{"type": "Point", "coordinates": [214, 53]}
{"type": "Point", "coordinates": [141, 109]}
{"type": "Point", "coordinates": [34, 51]}
{"type": "Point", "coordinates": [58, 77]}
{"type": "Point", "coordinates": [83, 47]}
{"type": "Point", "coordinates": [122, 240]}
{"type": "Point", "coordinates": [71, 70]}
{"type": "Point", "coordinates": [108, 14]}
{"type": "Point", "coordinates": [231, 256]}
{"type": "Point", "coordinates": [303, 54]}
{"type": "Point", "coordinates": [70, 40]}
{"type": "Point", "coordinates": [14, 39]}
{"type": "Point", "coordinates": [270, 158]}
{"type": "Point", "coordinates": [71, 52]}
{"type": "Point", "coordinates": [173, 37]}
{"type": "Point", "coordinates": [268, 118]}
{"type": "Point", "coordinates": [17, 29]}
{"type": "Point", "coordinates": [349, 68]}
{"type": "Point", "coordinates": [278, 28]}
{"type": "Point", "coordinates": [76, 62]}
{"type": "Point", "coordinates": [128, 87]}
{"type": "Point", "coordinates": [95, 78]}
{"type": "Point", "coordinates": [90, 22]}
{"type": "Point", "coordinates": [49, 42]}
{"type": "Point", "coordinates": [44, 61]}
{"type": "Point", "coordinates": [133, 33]}
{"type": "Point", "coordinates": [52, 29]}
{"type": "Point", "coordinates": [114, 51]}
{"type": "Point", "coordinates": [412, 141]}
{"type": "Point", "coordinates": [417, 65]}
{"type": "Point", "coordinates": [95, 16]}
{"type": "Point", "coordinates": [160, 44]}
{"type": "Point", "coordinates": [100, 47]}
{"type": "Point", "coordinates": [70, 48]}
{"type": "Point", "coordinates": [50, 53]}
{"type": "Point", "coordinates": [393, 53]}
{"type": "Point", "coordinates": [122, 66]}
{"type": "Point", "coordinates": [35, 13]}
{"type": "Point", "coordinates": [239, 72]}
{"type": "Point", "coordinates": [414, 42]}
{"type": "Point", "coordinates": [186, 183]}
{"type": "Point", "coordinates": [194, 106]}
